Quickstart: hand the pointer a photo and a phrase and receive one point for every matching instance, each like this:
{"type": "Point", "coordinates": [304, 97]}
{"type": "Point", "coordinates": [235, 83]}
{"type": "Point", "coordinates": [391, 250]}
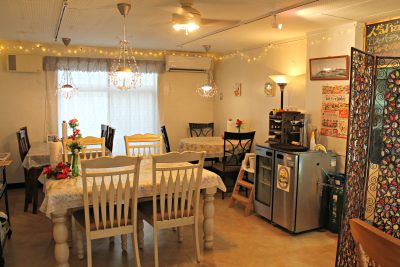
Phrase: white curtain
{"type": "Point", "coordinates": [98, 102]}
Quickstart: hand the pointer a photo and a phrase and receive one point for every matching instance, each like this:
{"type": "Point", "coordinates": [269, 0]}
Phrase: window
{"type": "Point", "coordinates": [97, 102]}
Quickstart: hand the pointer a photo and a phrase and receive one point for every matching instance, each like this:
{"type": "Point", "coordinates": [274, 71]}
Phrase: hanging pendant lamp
{"type": "Point", "coordinates": [125, 73]}
{"type": "Point", "coordinates": [66, 87]}
{"type": "Point", "coordinates": [209, 88]}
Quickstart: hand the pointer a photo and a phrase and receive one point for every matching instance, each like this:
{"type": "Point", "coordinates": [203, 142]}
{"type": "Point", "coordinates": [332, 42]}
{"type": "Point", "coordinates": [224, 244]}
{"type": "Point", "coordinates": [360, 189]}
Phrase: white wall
{"type": "Point", "coordinates": [253, 107]}
{"type": "Point", "coordinates": [180, 104]}
{"type": "Point", "coordinates": [22, 103]}
{"type": "Point", "coordinates": [335, 41]}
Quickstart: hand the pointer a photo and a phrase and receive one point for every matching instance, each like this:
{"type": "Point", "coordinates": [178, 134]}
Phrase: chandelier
{"type": "Point", "coordinates": [125, 73]}
{"type": "Point", "coordinates": [66, 87]}
{"type": "Point", "coordinates": [209, 88]}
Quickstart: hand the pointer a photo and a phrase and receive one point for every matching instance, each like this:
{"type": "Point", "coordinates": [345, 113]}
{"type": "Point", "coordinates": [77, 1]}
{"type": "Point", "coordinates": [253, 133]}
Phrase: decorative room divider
{"type": "Point", "coordinates": [373, 149]}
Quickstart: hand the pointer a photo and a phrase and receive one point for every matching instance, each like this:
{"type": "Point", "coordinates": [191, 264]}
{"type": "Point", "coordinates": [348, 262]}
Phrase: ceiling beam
{"type": "Point", "coordinates": [251, 20]}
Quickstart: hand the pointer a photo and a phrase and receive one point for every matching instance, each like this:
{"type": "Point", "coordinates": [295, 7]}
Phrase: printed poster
{"type": "Point", "coordinates": [335, 110]}
{"type": "Point", "coordinates": [283, 182]}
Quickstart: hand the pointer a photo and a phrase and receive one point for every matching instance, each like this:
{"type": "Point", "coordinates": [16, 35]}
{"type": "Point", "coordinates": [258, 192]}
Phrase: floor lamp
{"type": "Point", "coordinates": [282, 81]}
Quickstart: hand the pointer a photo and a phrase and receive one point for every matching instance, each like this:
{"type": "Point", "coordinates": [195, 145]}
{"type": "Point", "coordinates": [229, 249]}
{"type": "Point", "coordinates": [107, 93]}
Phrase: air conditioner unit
{"type": "Point", "coordinates": [187, 64]}
{"type": "Point", "coordinates": [24, 63]}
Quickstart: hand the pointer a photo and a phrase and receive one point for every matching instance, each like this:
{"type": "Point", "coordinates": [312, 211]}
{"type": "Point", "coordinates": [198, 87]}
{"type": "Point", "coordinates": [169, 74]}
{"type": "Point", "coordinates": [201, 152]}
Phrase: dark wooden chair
{"type": "Point", "coordinates": [104, 131]}
{"type": "Point", "coordinates": [165, 138]}
{"type": "Point", "coordinates": [201, 129]}
{"type": "Point", "coordinates": [25, 131]}
{"type": "Point", "coordinates": [236, 145]}
{"type": "Point", "coordinates": [110, 138]}
{"type": "Point", "coordinates": [22, 144]}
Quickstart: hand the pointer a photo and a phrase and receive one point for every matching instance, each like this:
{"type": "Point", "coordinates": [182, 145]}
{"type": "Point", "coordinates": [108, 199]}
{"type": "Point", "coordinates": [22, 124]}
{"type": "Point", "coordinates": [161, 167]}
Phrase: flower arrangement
{"type": "Point", "coordinates": [76, 135]}
{"type": "Point", "coordinates": [61, 171]}
{"type": "Point", "coordinates": [238, 124]}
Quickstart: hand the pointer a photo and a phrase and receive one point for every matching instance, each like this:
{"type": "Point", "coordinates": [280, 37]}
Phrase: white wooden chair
{"type": "Point", "coordinates": [144, 145]}
{"type": "Point", "coordinates": [178, 201]}
{"type": "Point", "coordinates": [110, 189]}
{"type": "Point", "coordinates": [93, 147]}
{"type": "Point", "coordinates": [374, 247]}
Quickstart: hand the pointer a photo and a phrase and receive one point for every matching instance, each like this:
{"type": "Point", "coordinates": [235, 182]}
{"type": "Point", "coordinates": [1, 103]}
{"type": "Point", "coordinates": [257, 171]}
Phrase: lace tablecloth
{"type": "Point", "coordinates": [68, 193]}
{"type": "Point", "coordinates": [214, 146]}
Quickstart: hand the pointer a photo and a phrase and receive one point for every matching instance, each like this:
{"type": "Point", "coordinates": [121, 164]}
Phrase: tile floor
{"type": "Point", "coordinates": [239, 241]}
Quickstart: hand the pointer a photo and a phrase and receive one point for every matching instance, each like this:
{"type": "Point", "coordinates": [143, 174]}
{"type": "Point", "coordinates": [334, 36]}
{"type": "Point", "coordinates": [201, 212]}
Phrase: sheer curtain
{"type": "Point", "coordinates": [98, 102]}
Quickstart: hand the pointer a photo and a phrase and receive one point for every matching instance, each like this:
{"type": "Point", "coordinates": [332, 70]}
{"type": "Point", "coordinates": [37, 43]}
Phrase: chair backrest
{"type": "Point", "coordinates": [381, 249]}
{"type": "Point", "coordinates": [110, 138]}
{"type": "Point", "coordinates": [22, 144]}
{"type": "Point", "coordinates": [110, 186]}
{"type": "Point", "coordinates": [165, 138]}
{"type": "Point", "coordinates": [25, 129]}
{"type": "Point", "coordinates": [104, 131]}
{"type": "Point", "coordinates": [236, 145]}
{"type": "Point", "coordinates": [201, 129]}
{"type": "Point", "coordinates": [92, 147]}
{"type": "Point", "coordinates": [145, 145]}
{"type": "Point", "coordinates": [179, 185]}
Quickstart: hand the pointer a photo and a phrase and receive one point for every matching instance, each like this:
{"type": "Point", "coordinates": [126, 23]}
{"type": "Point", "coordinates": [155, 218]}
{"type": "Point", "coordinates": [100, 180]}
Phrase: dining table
{"type": "Point", "coordinates": [62, 196]}
{"type": "Point", "coordinates": [212, 145]}
{"type": "Point", "coordinates": [39, 155]}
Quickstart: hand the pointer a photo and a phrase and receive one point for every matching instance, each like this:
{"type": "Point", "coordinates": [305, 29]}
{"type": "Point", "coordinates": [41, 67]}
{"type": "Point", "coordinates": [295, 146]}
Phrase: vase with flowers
{"type": "Point", "coordinates": [74, 145]}
{"type": "Point", "coordinates": [238, 124]}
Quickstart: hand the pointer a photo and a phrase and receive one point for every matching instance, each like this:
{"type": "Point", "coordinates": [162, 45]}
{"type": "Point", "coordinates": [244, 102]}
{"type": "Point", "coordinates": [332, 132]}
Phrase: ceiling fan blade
{"type": "Point", "coordinates": [209, 22]}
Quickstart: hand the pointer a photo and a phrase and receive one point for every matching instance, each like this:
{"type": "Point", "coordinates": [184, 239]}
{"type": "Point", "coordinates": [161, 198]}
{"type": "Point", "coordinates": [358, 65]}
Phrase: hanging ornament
{"type": "Point", "coordinates": [66, 87]}
{"type": "Point", "coordinates": [209, 88]}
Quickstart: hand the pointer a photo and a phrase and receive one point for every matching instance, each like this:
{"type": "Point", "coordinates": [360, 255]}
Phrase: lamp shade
{"type": "Point", "coordinates": [281, 79]}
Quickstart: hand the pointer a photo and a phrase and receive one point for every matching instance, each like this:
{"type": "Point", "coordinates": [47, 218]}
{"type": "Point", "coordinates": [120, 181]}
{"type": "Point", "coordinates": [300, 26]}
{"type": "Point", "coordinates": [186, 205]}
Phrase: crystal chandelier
{"type": "Point", "coordinates": [66, 87]}
{"type": "Point", "coordinates": [125, 73]}
{"type": "Point", "coordinates": [209, 88]}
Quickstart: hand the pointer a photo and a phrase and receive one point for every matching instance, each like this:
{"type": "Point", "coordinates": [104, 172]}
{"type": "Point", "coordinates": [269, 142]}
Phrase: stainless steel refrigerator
{"type": "Point", "coordinates": [293, 200]}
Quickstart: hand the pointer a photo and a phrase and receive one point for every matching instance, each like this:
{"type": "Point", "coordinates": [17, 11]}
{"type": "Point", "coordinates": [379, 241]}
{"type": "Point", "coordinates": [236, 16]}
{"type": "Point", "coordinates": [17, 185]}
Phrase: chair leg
{"type": "Point", "coordinates": [35, 196]}
{"type": "Point", "coordinates": [155, 231]}
{"type": "Point", "coordinates": [28, 195]}
{"type": "Point", "coordinates": [79, 242]}
{"type": "Point", "coordinates": [89, 252]}
{"type": "Point", "coordinates": [196, 240]}
{"type": "Point", "coordinates": [140, 233]}
{"type": "Point", "coordinates": [180, 234]}
{"type": "Point", "coordinates": [135, 249]}
{"type": "Point", "coordinates": [124, 242]}
{"type": "Point", "coordinates": [249, 206]}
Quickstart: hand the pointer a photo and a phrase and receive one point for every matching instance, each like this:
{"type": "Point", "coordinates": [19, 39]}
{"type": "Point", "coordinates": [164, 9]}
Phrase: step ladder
{"type": "Point", "coordinates": [237, 197]}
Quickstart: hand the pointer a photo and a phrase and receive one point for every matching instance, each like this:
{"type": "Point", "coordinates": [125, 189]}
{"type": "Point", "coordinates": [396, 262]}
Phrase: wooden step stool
{"type": "Point", "coordinates": [236, 196]}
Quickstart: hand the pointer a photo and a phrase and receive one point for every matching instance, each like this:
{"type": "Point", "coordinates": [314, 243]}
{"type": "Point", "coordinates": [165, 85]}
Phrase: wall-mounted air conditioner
{"type": "Point", "coordinates": [24, 63]}
{"type": "Point", "coordinates": [187, 64]}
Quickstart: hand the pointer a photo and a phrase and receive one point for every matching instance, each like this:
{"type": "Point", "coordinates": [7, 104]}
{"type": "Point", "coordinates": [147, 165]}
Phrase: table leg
{"type": "Point", "coordinates": [208, 213]}
{"type": "Point", "coordinates": [60, 235]}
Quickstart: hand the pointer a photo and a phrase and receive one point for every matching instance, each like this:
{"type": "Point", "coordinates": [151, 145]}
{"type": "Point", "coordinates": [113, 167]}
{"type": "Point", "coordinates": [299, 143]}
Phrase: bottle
{"type": "Point", "coordinates": [64, 130]}
{"type": "Point", "coordinates": [312, 140]}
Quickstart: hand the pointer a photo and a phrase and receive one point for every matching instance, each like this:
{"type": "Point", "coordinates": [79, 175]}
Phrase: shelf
{"type": "Point", "coordinates": [266, 167]}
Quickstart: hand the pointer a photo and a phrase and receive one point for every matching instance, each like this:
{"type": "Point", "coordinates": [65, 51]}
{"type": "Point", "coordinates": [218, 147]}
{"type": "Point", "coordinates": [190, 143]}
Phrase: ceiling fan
{"type": "Point", "coordinates": [188, 18]}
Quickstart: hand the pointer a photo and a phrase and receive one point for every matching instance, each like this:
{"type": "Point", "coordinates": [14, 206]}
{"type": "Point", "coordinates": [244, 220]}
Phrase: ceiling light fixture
{"type": "Point", "coordinates": [66, 87]}
{"type": "Point", "coordinates": [276, 25]}
{"type": "Point", "coordinates": [186, 22]}
{"type": "Point", "coordinates": [209, 88]}
{"type": "Point", "coordinates": [125, 73]}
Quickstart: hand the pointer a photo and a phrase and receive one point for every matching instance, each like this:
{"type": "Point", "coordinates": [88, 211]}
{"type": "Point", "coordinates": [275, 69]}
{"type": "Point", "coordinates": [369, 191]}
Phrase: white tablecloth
{"type": "Point", "coordinates": [68, 193]}
{"type": "Point", "coordinates": [214, 146]}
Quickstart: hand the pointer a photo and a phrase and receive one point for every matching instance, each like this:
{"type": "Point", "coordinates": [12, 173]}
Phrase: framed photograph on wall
{"type": "Point", "coordinates": [269, 89]}
{"type": "Point", "coordinates": [237, 89]}
{"type": "Point", "coordinates": [329, 68]}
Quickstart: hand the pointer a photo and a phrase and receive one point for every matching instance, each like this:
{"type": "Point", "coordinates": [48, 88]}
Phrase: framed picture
{"type": "Point", "coordinates": [329, 68]}
{"type": "Point", "coordinates": [269, 89]}
{"type": "Point", "coordinates": [237, 89]}
{"type": "Point", "coordinates": [52, 138]}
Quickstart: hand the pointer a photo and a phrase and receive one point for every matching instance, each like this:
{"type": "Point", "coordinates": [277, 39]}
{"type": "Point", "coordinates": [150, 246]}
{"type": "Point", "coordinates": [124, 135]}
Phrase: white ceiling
{"type": "Point", "coordinates": [98, 22]}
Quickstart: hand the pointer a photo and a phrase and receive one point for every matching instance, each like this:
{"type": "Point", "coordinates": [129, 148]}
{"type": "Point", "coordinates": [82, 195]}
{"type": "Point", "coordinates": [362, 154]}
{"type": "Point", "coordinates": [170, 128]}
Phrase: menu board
{"type": "Point", "coordinates": [383, 38]}
{"type": "Point", "coordinates": [335, 110]}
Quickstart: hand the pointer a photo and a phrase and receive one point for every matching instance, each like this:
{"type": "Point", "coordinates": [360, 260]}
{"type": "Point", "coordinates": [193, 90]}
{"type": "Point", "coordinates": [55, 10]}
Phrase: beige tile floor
{"type": "Point", "coordinates": [239, 241]}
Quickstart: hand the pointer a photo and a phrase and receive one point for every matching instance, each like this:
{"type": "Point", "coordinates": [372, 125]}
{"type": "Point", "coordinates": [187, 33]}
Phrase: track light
{"type": "Point", "coordinates": [276, 25]}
